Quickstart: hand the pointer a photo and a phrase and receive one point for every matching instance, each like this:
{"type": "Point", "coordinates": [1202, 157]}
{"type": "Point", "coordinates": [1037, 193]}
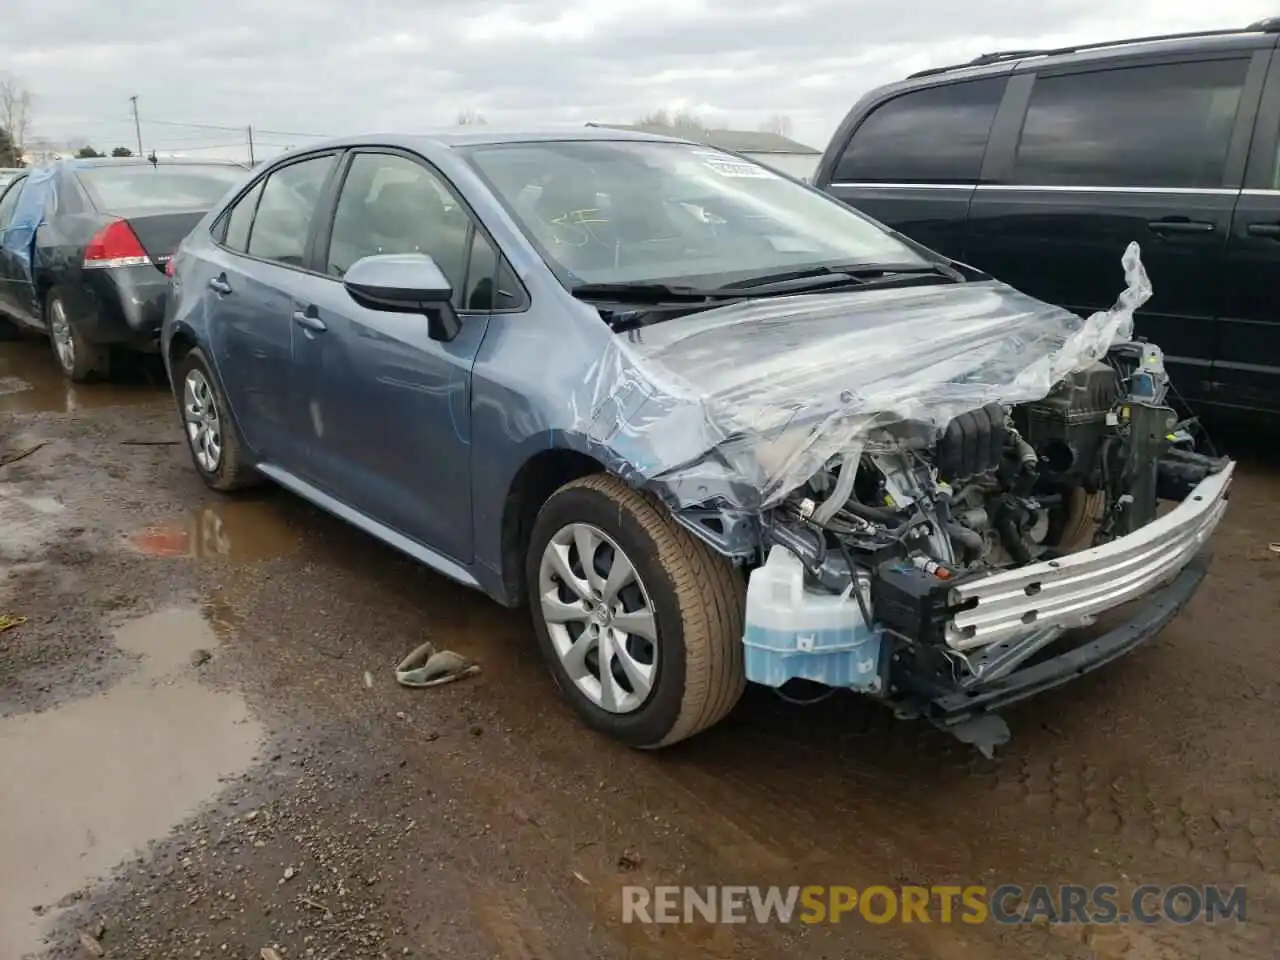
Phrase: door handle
{"type": "Point", "coordinates": [1181, 226]}
{"type": "Point", "coordinates": [219, 284]}
{"type": "Point", "coordinates": [309, 321]}
{"type": "Point", "coordinates": [1271, 230]}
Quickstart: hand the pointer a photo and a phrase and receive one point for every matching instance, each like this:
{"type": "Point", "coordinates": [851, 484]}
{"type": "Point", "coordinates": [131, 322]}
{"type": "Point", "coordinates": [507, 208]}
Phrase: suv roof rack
{"type": "Point", "coordinates": [1269, 25]}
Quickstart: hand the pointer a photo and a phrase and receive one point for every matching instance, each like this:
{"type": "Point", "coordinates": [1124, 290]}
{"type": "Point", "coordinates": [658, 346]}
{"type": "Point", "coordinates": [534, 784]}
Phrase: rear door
{"type": "Point", "coordinates": [913, 161]}
{"type": "Point", "coordinates": [256, 277]}
{"type": "Point", "coordinates": [1096, 155]}
{"type": "Point", "coordinates": [10, 274]}
{"type": "Point", "coordinates": [1246, 366]}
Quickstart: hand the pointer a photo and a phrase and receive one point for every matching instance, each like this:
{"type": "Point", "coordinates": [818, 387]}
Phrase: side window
{"type": "Point", "coordinates": [391, 204]}
{"type": "Point", "coordinates": [491, 283]}
{"type": "Point", "coordinates": [935, 135]}
{"type": "Point", "coordinates": [482, 274]}
{"type": "Point", "coordinates": [237, 223]}
{"type": "Point", "coordinates": [285, 211]}
{"type": "Point", "coordinates": [1167, 125]}
{"type": "Point", "coordinates": [9, 201]}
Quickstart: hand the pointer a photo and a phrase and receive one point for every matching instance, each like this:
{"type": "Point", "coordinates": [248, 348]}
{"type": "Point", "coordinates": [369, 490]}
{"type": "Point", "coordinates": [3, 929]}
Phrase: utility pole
{"type": "Point", "coordinates": [251, 159]}
{"type": "Point", "coordinates": [137, 126]}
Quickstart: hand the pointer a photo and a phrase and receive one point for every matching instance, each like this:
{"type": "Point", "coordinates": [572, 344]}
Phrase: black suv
{"type": "Point", "coordinates": [1039, 166]}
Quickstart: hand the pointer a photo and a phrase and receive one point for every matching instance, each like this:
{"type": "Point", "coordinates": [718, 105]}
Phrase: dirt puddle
{"type": "Point", "coordinates": [239, 530]}
{"type": "Point", "coordinates": [88, 784]}
{"type": "Point", "coordinates": [31, 383]}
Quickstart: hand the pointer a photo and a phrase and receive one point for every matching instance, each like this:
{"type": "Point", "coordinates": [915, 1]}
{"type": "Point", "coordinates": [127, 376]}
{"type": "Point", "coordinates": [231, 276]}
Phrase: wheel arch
{"type": "Point", "coordinates": [538, 477]}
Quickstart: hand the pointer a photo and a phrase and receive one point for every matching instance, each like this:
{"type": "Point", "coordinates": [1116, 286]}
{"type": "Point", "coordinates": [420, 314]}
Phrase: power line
{"type": "Point", "coordinates": [72, 124]}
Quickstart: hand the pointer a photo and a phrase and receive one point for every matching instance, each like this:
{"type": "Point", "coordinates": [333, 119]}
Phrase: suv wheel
{"type": "Point", "coordinates": [640, 621]}
{"type": "Point", "coordinates": [212, 437]}
{"type": "Point", "coordinates": [79, 359]}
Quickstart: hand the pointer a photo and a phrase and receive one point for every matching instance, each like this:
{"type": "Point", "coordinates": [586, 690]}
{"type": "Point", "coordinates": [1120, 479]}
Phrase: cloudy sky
{"type": "Point", "coordinates": [299, 68]}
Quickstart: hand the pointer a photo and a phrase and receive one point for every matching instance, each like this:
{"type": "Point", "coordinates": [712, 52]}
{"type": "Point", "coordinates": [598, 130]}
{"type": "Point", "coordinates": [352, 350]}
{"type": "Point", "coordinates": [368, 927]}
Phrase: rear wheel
{"type": "Point", "coordinates": [212, 438]}
{"type": "Point", "coordinates": [79, 360]}
{"type": "Point", "coordinates": [640, 621]}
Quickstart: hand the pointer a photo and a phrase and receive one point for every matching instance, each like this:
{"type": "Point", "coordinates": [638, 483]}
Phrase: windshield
{"type": "Point", "coordinates": [135, 187]}
{"type": "Point", "coordinates": [618, 211]}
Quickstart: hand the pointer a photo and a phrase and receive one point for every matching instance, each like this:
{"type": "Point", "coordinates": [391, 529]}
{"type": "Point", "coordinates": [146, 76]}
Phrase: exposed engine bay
{"type": "Point", "coordinates": [927, 485]}
{"type": "Point", "coordinates": [917, 516]}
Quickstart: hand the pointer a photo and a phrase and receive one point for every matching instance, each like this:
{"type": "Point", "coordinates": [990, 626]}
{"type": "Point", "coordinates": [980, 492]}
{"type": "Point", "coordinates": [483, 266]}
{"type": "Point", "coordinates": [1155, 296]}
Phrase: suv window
{"type": "Point", "coordinates": [287, 205]}
{"type": "Point", "coordinates": [935, 135]}
{"type": "Point", "coordinates": [391, 204]}
{"type": "Point", "coordinates": [9, 201]}
{"type": "Point", "coordinates": [1166, 125]}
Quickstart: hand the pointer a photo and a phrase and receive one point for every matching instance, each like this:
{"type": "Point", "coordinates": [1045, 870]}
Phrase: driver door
{"type": "Point", "coordinates": [391, 408]}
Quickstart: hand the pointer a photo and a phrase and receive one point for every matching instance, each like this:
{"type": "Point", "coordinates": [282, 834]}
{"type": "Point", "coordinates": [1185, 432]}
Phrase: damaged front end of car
{"type": "Point", "coordinates": [929, 487]}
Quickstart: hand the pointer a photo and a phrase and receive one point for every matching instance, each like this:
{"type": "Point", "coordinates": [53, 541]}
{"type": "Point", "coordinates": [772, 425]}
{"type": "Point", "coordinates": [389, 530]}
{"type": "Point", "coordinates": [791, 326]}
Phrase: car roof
{"type": "Point", "coordinates": [484, 136]}
{"type": "Point", "coordinates": [1262, 33]}
{"type": "Point", "coordinates": [84, 163]}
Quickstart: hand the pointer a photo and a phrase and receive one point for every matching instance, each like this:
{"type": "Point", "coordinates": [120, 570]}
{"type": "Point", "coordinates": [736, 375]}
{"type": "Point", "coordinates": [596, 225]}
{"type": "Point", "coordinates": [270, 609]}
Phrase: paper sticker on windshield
{"type": "Point", "coordinates": [730, 167]}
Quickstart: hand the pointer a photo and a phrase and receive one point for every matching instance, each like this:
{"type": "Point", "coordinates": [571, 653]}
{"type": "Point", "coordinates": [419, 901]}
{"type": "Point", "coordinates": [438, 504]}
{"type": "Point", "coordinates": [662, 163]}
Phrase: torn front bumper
{"type": "Point", "coordinates": [1072, 590]}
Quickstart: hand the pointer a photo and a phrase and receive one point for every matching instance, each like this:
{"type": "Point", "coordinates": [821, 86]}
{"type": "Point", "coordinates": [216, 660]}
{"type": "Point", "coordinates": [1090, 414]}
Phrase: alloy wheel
{"type": "Point", "coordinates": [64, 343]}
{"type": "Point", "coordinates": [200, 416]}
{"type": "Point", "coordinates": [599, 617]}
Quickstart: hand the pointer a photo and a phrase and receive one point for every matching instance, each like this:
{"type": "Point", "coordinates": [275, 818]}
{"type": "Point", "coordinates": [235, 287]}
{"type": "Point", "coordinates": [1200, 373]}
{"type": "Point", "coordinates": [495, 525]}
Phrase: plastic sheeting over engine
{"type": "Point", "coordinates": [744, 403]}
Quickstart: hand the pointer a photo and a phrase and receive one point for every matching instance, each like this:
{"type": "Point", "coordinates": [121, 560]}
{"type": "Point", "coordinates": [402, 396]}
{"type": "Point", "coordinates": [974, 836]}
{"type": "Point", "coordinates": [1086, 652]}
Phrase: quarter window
{"type": "Point", "coordinates": [241, 219]}
{"type": "Point", "coordinates": [285, 211]}
{"type": "Point", "coordinates": [391, 204]}
{"type": "Point", "coordinates": [1167, 125]}
{"type": "Point", "coordinates": [935, 135]}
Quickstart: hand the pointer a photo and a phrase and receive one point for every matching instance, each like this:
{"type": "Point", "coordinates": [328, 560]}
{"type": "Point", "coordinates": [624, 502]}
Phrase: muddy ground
{"type": "Point", "coordinates": [203, 752]}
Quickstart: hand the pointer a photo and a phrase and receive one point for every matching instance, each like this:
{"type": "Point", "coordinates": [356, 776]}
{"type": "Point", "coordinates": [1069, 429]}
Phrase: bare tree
{"type": "Point", "coordinates": [778, 123]}
{"type": "Point", "coordinates": [470, 117]}
{"type": "Point", "coordinates": [15, 112]}
{"type": "Point", "coordinates": [681, 122]}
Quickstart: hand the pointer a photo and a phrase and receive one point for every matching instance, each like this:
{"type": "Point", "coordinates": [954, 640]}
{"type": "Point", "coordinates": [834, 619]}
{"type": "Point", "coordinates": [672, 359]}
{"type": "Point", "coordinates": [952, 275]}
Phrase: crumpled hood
{"type": "Point", "coordinates": [744, 403]}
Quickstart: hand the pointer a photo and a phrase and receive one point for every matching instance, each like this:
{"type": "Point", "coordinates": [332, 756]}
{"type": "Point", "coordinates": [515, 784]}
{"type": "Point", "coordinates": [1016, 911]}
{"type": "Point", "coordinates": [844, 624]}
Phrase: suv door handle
{"type": "Point", "coordinates": [1271, 230]}
{"type": "Point", "coordinates": [309, 321]}
{"type": "Point", "coordinates": [219, 284]}
{"type": "Point", "coordinates": [1181, 226]}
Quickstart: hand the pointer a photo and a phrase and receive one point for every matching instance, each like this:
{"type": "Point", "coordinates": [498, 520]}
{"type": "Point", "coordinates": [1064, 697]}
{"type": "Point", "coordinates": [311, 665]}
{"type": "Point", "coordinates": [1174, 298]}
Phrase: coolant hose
{"type": "Point", "coordinates": [875, 514]}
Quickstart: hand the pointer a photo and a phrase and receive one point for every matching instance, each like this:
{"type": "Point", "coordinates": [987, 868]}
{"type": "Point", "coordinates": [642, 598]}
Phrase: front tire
{"type": "Point", "coordinates": [640, 622]}
{"type": "Point", "coordinates": [79, 360]}
{"type": "Point", "coordinates": [212, 438]}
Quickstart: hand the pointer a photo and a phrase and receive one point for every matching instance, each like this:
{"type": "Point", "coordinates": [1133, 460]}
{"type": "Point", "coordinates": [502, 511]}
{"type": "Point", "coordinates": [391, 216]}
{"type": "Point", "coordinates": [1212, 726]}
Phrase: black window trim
{"type": "Point", "coordinates": [894, 95]}
{"type": "Point", "coordinates": [218, 229]}
{"type": "Point", "coordinates": [1001, 155]}
{"type": "Point", "coordinates": [329, 210]}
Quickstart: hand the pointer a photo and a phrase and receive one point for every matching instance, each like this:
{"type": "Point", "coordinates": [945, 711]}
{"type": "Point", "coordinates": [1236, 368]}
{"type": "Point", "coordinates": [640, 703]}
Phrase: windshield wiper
{"type": "Point", "coordinates": [647, 293]}
{"type": "Point", "coordinates": [815, 277]}
{"type": "Point", "coordinates": [773, 284]}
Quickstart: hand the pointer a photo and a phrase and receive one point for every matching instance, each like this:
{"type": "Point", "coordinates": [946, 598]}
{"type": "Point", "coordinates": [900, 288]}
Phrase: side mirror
{"type": "Point", "coordinates": [405, 283]}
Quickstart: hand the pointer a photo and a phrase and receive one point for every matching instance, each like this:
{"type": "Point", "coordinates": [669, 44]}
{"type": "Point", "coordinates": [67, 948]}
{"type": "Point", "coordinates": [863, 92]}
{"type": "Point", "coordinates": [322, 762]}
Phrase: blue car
{"type": "Point", "coordinates": [709, 424]}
